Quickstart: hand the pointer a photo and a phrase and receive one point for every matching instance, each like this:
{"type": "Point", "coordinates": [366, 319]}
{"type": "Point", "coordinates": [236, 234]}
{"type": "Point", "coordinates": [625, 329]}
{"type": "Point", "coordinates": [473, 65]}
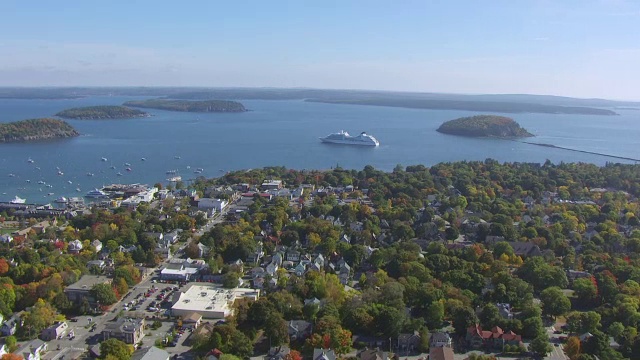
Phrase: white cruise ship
{"type": "Point", "coordinates": [98, 194]}
{"type": "Point", "coordinates": [343, 137]}
{"type": "Point", "coordinates": [18, 200]}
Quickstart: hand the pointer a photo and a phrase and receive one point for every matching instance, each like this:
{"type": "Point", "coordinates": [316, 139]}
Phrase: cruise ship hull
{"type": "Point", "coordinates": [347, 142]}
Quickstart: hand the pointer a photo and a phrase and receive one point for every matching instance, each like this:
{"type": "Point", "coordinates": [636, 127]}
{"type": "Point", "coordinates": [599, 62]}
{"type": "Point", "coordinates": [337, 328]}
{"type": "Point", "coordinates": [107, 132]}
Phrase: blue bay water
{"type": "Point", "coordinates": [277, 133]}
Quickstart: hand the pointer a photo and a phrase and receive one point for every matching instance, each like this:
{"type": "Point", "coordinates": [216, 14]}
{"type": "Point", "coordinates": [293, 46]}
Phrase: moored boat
{"type": "Point", "coordinates": [344, 138]}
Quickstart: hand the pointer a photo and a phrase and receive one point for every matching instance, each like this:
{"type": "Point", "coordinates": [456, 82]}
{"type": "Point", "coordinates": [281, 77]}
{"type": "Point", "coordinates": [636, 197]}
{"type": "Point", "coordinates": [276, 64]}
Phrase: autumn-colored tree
{"type": "Point", "coordinates": [572, 347]}
{"type": "Point", "coordinates": [11, 356]}
{"type": "Point", "coordinates": [293, 355]}
{"type": "Point", "coordinates": [4, 266]}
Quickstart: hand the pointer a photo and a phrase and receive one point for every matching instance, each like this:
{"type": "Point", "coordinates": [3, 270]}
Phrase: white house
{"type": "Point", "coordinates": [75, 246]}
{"type": "Point", "coordinates": [97, 244]}
{"type": "Point", "coordinates": [32, 350]}
{"type": "Point", "coordinates": [6, 238]}
{"type": "Point", "coordinates": [209, 203]}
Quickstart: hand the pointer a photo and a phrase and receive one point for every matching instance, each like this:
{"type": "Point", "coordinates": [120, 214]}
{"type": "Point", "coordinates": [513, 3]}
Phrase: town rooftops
{"type": "Point", "coordinates": [150, 353]}
{"type": "Point", "coordinates": [441, 353]}
{"type": "Point", "coordinates": [86, 282]}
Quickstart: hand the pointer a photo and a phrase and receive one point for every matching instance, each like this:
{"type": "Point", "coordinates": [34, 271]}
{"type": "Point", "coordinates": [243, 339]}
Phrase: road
{"type": "Point", "coordinates": [81, 326]}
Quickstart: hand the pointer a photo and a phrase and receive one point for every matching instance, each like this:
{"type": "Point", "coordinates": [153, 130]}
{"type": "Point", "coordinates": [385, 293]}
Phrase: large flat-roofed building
{"type": "Point", "coordinates": [209, 300]}
{"type": "Point", "coordinates": [82, 288]}
{"type": "Point", "coordinates": [271, 185]}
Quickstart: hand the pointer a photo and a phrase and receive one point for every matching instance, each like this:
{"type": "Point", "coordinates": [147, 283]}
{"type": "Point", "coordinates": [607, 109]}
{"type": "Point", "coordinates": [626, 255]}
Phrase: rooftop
{"type": "Point", "coordinates": [86, 282]}
{"type": "Point", "coordinates": [206, 297]}
{"type": "Point", "coordinates": [150, 353]}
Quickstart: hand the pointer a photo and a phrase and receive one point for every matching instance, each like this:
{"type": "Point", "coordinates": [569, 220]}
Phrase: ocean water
{"type": "Point", "coordinates": [277, 133]}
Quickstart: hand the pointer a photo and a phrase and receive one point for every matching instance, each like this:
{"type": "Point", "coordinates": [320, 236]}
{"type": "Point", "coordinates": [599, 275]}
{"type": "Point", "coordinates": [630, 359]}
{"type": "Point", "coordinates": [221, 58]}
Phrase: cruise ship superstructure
{"type": "Point", "coordinates": [343, 137]}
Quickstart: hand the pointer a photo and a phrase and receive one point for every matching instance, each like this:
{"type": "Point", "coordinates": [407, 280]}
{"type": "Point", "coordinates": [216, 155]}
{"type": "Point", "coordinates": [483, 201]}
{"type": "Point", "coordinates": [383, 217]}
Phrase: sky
{"type": "Point", "coordinates": [581, 48]}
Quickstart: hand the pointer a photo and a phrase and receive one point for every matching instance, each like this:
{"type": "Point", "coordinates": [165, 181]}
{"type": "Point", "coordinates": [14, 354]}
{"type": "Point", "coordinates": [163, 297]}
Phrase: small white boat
{"type": "Point", "coordinates": [143, 159]}
{"type": "Point", "coordinates": [175, 179]}
{"type": "Point", "coordinates": [78, 189]}
{"type": "Point", "coordinates": [90, 174]}
{"type": "Point", "coordinates": [188, 167]}
{"type": "Point", "coordinates": [37, 167]}
{"type": "Point", "coordinates": [49, 194]}
{"type": "Point", "coordinates": [169, 172]}
{"type": "Point", "coordinates": [12, 175]}
{"type": "Point", "coordinates": [119, 174]}
{"type": "Point", "coordinates": [104, 159]}
{"type": "Point", "coordinates": [49, 185]}
{"type": "Point", "coordinates": [18, 200]}
{"type": "Point", "coordinates": [41, 182]}
{"type": "Point", "coordinates": [30, 161]}
{"type": "Point", "coordinates": [127, 164]}
{"type": "Point", "coordinates": [70, 182]}
{"type": "Point", "coordinates": [60, 173]}
{"type": "Point", "coordinates": [177, 157]}
{"type": "Point", "coordinates": [28, 180]}
{"type": "Point", "coordinates": [61, 200]}
{"type": "Point", "coordinates": [112, 167]}
{"type": "Point", "coordinates": [200, 169]}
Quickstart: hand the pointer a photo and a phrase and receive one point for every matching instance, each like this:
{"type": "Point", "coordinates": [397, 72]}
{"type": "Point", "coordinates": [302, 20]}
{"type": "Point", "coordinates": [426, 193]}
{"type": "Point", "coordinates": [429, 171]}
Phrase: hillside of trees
{"type": "Point", "coordinates": [101, 112]}
{"type": "Point", "coordinates": [189, 106]}
{"type": "Point", "coordinates": [36, 129]}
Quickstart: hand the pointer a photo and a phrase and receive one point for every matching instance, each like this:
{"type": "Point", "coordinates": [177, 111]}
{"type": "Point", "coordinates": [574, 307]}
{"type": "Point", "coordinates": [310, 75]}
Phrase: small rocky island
{"type": "Point", "coordinates": [36, 129]}
{"type": "Point", "coordinates": [101, 112]}
{"type": "Point", "coordinates": [189, 106]}
{"type": "Point", "coordinates": [484, 126]}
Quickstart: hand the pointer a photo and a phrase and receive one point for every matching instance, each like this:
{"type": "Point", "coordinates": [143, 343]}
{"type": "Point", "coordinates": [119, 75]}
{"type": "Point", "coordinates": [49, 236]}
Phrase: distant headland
{"type": "Point", "coordinates": [189, 106]}
{"type": "Point", "coordinates": [484, 126]}
{"type": "Point", "coordinates": [36, 129]}
{"type": "Point", "coordinates": [101, 112]}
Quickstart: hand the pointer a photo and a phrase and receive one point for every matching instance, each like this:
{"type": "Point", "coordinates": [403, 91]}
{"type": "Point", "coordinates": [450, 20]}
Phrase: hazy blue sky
{"type": "Point", "coordinates": [585, 48]}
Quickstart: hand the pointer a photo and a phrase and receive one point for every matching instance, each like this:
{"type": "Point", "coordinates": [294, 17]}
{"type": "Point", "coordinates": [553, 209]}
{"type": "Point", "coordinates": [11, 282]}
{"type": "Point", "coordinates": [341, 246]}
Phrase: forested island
{"type": "Point", "coordinates": [484, 126]}
{"type": "Point", "coordinates": [189, 106]}
{"type": "Point", "coordinates": [101, 112]}
{"type": "Point", "coordinates": [36, 129]}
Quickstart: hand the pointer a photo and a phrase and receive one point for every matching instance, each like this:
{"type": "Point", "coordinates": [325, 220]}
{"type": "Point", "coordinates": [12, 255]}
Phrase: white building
{"type": "Point", "coordinates": [75, 246]}
{"type": "Point", "coordinates": [97, 244]}
{"type": "Point", "coordinates": [32, 350]}
{"type": "Point", "coordinates": [6, 238]}
{"type": "Point", "coordinates": [209, 300]}
{"type": "Point", "coordinates": [209, 203]}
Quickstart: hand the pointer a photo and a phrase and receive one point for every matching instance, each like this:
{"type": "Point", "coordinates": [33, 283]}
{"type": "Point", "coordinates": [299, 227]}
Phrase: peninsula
{"type": "Point", "coordinates": [36, 129]}
{"type": "Point", "coordinates": [189, 106]}
{"type": "Point", "coordinates": [484, 126]}
{"type": "Point", "coordinates": [101, 112]}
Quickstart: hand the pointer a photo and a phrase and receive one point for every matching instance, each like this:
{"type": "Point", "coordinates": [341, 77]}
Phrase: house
{"type": "Point", "coordinates": [409, 342]}
{"type": "Point", "coordinates": [32, 350]}
{"type": "Point", "coordinates": [75, 246]}
{"type": "Point", "coordinates": [271, 269]}
{"type": "Point", "coordinates": [278, 353]}
{"type": "Point", "coordinates": [192, 320]}
{"type": "Point", "coordinates": [494, 339]}
{"type": "Point", "coordinates": [505, 310]}
{"type": "Point", "coordinates": [214, 354]}
{"type": "Point", "coordinates": [440, 339]}
{"type": "Point", "coordinates": [10, 326]}
{"type": "Point", "coordinates": [372, 354]}
{"type": "Point", "coordinates": [97, 244]}
{"type": "Point", "coordinates": [293, 255]}
{"type": "Point", "coordinates": [54, 332]}
{"type": "Point", "coordinates": [130, 331]}
{"type": "Point", "coordinates": [299, 330]}
{"type": "Point", "coordinates": [525, 249]}
{"type": "Point", "coordinates": [6, 239]}
{"type": "Point", "coordinates": [100, 264]}
{"type": "Point", "coordinates": [254, 257]}
{"type": "Point", "coordinates": [81, 289]}
{"type": "Point", "coordinates": [271, 185]}
{"type": "Point", "coordinates": [313, 301]}
{"type": "Point", "coordinates": [324, 354]}
{"type": "Point", "coordinates": [172, 237]}
{"type": "Point", "coordinates": [150, 353]}
{"type": "Point", "coordinates": [216, 204]}
{"type": "Point", "coordinates": [441, 353]}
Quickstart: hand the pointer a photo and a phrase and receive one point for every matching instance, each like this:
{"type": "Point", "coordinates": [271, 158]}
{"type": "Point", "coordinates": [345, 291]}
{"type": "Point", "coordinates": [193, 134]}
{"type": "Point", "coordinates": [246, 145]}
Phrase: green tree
{"type": "Point", "coordinates": [116, 349]}
{"type": "Point", "coordinates": [231, 280]}
{"type": "Point", "coordinates": [554, 302]}
{"type": "Point", "coordinates": [104, 294]}
{"type": "Point", "coordinates": [586, 291]}
{"type": "Point", "coordinates": [434, 315]}
{"type": "Point", "coordinates": [540, 345]}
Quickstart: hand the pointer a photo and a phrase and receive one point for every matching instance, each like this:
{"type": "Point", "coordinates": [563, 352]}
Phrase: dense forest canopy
{"type": "Point", "coordinates": [484, 126]}
{"type": "Point", "coordinates": [101, 112]}
{"type": "Point", "coordinates": [189, 106]}
{"type": "Point", "coordinates": [36, 129]}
